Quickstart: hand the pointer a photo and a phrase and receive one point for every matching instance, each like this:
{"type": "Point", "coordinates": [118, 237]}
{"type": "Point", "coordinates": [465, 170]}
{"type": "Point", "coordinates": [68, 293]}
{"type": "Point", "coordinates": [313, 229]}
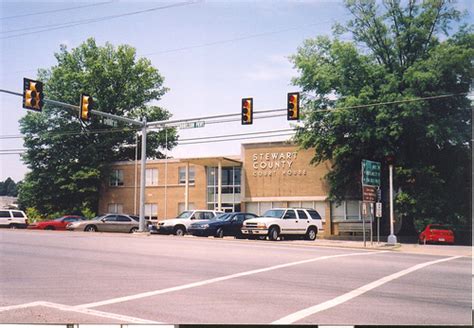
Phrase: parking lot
{"type": "Point", "coordinates": [63, 277]}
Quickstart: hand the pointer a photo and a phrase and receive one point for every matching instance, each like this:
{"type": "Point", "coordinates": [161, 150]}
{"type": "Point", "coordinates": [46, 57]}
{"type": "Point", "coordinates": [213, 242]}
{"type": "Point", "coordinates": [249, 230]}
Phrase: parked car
{"type": "Point", "coordinates": [284, 221]}
{"type": "Point", "coordinates": [179, 225]}
{"type": "Point", "coordinates": [13, 219]}
{"type": "Point", "coordinates": [436, 233]}
{"type": "Point", "coordinates": [226, 224]}
{"type": "Point", "coordinates": [56, 224]}
{"type": "Point", "coordinates": [107, 223]}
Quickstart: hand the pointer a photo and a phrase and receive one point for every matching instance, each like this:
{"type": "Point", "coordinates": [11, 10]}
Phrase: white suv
{"type": "Point", "coordinates": [181, 223]}
{"type": "Point", "coordinates": [284, 221]}
{"type": "Point", "coordinates": [13, 219]}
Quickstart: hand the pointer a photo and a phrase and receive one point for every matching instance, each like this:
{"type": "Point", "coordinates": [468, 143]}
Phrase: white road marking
{"type": "Point", "coordinates": [20, 306]}
{"type": "Point", "coordinates": [214, 280]}
{"type": "Point", "coordinates": [98, 313]}
{"type": "Point", "coordinates": [292, 318]}
{"type": "Point", "coordinates": [69, 308]}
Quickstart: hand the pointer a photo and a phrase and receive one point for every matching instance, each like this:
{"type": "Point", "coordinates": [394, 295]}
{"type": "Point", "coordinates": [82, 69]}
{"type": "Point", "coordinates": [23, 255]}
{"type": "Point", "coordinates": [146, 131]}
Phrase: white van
{"type": "Point", "coordinates": [13, 219]}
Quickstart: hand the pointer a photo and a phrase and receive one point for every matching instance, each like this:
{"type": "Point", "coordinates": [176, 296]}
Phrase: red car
{"type": "Point", "coordinates": [436, 233]}
{"type": "Point", "coordinates": [56, 224]}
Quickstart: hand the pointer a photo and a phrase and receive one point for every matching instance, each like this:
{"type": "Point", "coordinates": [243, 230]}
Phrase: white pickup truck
{"type": "Point", "coordinates": [179, 225]}
{"type": "Point", "coordinates": [284, 221]}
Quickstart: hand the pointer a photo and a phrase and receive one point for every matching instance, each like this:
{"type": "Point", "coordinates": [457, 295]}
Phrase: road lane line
{"type": "Point", "coordinates": [96, 313]}
{"type": "Point", "coordinates": [214, 280]}
{"type": "Point", "coordinates": [292, 318]}
{"type": "Point", "coordinates": [69, 308]}
{"type": "Point", "coordinates": [20, 306]}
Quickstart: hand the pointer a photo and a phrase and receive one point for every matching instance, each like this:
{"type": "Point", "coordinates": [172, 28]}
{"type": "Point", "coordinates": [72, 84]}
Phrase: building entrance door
{"type": "Point", "coordinates": [227, 209]}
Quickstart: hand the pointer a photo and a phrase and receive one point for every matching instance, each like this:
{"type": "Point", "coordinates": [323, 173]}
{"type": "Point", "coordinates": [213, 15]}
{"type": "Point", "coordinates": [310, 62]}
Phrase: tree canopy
{"type": "Point", "coordinates": [68, 159]}
{"type": "Point", "coordinates": [8, 187]}
{"type": "Point", "coordinates": [400, 88]}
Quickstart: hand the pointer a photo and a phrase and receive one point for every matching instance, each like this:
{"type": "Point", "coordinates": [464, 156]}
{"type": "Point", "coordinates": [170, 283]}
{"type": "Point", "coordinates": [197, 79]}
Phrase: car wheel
{"type": "Point", "coordinates": [133, 230]}
{"type": "Point", "coordinates": [90, 228]}
{"type": "Point", "coordinates": [273, 233]}
{"type": "Point", "coordinates": [49, 228]}
{"type": "Point", "coordinates": [219, 233]}
{"type": "Point", "coordinates": [179, 231]}
{"type": "Point", "coordinates": [13, 226]}
{"type": "Point", "coordinates": [311, 234]}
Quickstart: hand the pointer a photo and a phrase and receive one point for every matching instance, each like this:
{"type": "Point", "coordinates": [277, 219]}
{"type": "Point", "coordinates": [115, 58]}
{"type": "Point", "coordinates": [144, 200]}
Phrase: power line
{"type": "Point", "coordinates": [227, 120]}
{"type": "Point", "coordinates": [233, 139]}
{"type": "Point", "coordinates": [246, 37]}
{"type": "Point", "coordinates": [214, 139]}
{"type": "Point", "coordinates": [53, 27]}
{"type": "Point", "coordinates": [56, 10]}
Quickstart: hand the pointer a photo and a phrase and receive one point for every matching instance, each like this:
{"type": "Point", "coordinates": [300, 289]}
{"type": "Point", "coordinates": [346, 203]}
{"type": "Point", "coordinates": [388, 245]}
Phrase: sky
{"type": "Point", "coordinates": [219, 50]}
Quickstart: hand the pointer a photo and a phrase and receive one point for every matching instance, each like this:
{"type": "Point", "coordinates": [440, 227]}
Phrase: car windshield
{"type": "Point", "coordinates": [274, 213]}
{"type": "Point", "coordinates": [184, 215]}
{"type": "Point", "coordinates": [136, 218]}
{"type": "Point", "coordinates": [438, 227]}
{"type": "Point", "coordinates": [223, 217]}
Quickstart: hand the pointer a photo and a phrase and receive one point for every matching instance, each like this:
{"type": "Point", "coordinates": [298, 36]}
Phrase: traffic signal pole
{"type": "Point", "coordinates": [142, 227]}
{"type": "Point", "coordinates": [142, 124]}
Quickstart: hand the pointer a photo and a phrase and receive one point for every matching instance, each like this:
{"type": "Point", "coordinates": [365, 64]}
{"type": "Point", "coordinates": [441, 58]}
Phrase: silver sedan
{"type": "Point", "coordinates": [107, 223]}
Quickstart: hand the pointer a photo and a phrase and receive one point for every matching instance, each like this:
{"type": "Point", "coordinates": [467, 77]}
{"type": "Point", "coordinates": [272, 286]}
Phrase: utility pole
{"type": "Point", "coordinates": [142, 227]}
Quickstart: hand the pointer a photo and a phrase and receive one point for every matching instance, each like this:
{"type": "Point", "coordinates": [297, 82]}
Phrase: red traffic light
{"type": "Point", "coordinates": [247, 111]}
{"type": "Point", "coordinates": [293, 106]}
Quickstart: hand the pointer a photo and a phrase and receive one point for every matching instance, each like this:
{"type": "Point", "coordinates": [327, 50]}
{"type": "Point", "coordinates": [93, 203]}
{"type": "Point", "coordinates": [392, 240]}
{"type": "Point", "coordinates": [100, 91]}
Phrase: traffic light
{"type": "Point", "coordinates": [293, 108]}
{"type": "Point", "coordinates": [87, 103]}
{"type": "Point", "coordinates": [247, 111]}
{"type": "Point", "coordinates": [33, 95]}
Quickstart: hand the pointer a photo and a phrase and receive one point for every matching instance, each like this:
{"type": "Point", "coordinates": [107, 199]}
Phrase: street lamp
{"type": "Point", "coordinates": [392, 239]}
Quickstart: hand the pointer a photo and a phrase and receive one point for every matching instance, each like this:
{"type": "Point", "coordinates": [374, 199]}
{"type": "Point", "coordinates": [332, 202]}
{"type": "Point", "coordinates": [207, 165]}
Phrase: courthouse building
{"type": "Point", "coordinates": [264, 176]}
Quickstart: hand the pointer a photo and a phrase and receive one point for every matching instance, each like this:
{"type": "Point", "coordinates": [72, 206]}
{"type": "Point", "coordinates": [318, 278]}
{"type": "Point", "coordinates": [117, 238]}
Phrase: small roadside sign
{"type": "Point", "coordinates": [369, 194]}
{"type": "Point", "coordinates": [378, 210]}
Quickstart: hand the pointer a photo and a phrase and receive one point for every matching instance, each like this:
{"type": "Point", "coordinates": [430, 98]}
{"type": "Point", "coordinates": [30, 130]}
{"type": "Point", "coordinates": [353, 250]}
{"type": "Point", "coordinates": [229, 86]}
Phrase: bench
{"type": "Point", "coordinates": [353, 227]}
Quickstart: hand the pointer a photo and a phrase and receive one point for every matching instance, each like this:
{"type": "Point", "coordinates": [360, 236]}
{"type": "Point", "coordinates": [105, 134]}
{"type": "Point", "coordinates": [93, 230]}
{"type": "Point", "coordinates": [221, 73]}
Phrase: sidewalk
{"type": "Point", "coordinates": [441, 250]}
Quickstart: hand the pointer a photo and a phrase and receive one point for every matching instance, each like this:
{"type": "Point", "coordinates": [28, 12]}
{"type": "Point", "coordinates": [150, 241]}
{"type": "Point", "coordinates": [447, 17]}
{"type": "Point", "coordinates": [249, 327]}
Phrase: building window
{"type": "Point", "coordinates": [182, 175]}
{"type": "Point", "coordinates": [116, 208]}
{"type": "Point", "coordinates": [230, 189]}
{"type": "Point", "coordinates": [347, 210]}
{"type": "Point", "coordinates": [151, 211]}
{"type": "Point", "coordinates": [116, 178]}
{"type": "Point", "coordinates": [151, 177]}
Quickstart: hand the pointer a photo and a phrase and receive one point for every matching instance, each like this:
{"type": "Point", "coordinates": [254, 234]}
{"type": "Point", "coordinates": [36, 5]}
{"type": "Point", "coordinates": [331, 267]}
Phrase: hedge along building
{"type": "Point", "coordinates": [264, 176]}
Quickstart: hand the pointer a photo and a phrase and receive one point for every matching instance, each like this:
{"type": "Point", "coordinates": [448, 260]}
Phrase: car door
{"type": "Point", "coordinates": [235, 224]}
{"type": "Point", "coordinates": [123, 224]}
{"type": "Point", "coordinates": [107, 223]}
{"type": "Point", "coordinates": [289, 223]}
{"type": "Point", "coordinates": [303, 221]}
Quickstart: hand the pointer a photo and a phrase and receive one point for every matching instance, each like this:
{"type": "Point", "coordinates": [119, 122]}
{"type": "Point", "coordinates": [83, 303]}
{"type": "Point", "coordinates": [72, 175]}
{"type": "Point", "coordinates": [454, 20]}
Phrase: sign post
{"type": "Point", "coordinates": [370, 186]}
{"type": "Point", "coordinates": [378, 215]}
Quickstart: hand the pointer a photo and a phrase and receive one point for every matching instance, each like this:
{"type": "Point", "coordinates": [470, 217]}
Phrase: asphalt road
{"type": "Point", "coordinates": [64, 277]}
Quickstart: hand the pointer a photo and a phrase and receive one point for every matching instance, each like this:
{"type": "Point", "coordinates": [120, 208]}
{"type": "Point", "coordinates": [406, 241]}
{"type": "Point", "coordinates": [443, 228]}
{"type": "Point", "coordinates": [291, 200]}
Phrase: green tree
{"type": "Point", "coordinates": [8, 188]}
{"type": "Point", "coordinates": [68, 159]}
{"type": "Point", "coordinates": [397, 55]}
